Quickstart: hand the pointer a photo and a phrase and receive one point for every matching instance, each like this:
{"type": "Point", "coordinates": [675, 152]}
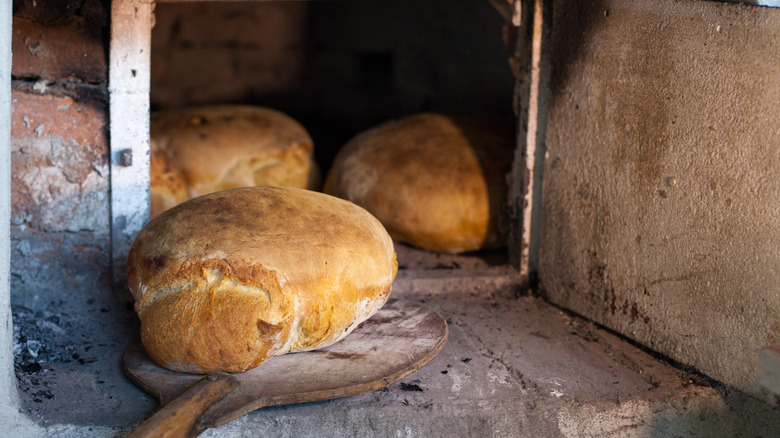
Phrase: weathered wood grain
{"type": "Point", "coordinates": [398, 340]}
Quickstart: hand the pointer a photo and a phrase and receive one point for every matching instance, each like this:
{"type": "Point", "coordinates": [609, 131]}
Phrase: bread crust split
{"type": "Point", "coordinates": [434, 181]}
{"type": "Point", "coordinates": [225, 281]}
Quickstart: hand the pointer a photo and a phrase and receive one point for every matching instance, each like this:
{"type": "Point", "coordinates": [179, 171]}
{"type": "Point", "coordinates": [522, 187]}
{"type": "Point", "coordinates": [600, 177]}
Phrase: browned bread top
{"type": "Point", "coordinates": [433, 181]}
{"type": "Point", "coordinates": [227, 280]}
{"type": "Point", "coordinates": [220, 147]}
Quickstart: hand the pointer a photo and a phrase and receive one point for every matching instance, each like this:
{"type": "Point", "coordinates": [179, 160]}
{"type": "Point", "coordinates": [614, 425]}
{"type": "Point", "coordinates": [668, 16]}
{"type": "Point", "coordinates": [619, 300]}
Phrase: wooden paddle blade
{"type": "Point", "coordinates": [180, 418]}
{"type": "Point", "coordinates": [398, 340]}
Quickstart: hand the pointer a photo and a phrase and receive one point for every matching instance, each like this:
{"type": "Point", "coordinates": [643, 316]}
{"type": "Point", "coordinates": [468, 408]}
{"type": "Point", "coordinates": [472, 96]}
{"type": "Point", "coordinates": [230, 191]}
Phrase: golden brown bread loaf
{"type": "Point", "coordinates": [222, 147]}
{"type": "Point", "coordinates": [433, 181]}
{"type": "Point", "coordinates": [225, 281]}
{"type": "Point", "coordinates": [166, 184]}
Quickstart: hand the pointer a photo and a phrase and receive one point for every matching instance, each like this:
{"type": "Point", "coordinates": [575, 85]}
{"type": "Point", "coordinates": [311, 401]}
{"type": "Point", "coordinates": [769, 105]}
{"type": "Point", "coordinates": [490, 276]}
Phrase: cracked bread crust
{"type": "Point", "coordinates": [225, 281]}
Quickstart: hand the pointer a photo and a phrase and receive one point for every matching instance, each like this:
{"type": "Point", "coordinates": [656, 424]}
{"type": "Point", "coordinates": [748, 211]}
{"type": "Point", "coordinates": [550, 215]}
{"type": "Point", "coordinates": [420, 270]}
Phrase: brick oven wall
{"type": "Point", "coordinates": [60, 205]}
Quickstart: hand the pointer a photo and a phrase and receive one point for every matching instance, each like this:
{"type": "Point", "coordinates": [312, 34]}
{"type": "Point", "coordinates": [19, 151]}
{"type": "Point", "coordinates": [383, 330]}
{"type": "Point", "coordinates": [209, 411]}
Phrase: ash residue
{"type": "Point", "coordinates": [67, 357]}
{"type": "Point", "coordinates": [42, 338]}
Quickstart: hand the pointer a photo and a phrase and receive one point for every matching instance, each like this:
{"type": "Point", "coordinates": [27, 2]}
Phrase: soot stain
{"type": "Point", "coordinates": [158, 263]}
{"type": "Point", "coordinates": [410, 387]}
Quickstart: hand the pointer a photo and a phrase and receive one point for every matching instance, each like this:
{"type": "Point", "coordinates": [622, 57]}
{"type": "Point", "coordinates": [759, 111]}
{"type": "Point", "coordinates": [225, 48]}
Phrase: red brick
{"type": "Point", "coordinates": [59, 178]}
{"type": "Point", "coordinates": [67, 51]}
{"type": "Point", "coordinates": [42, 115]}
{"type": "Point", "coordinates": [227, 52]}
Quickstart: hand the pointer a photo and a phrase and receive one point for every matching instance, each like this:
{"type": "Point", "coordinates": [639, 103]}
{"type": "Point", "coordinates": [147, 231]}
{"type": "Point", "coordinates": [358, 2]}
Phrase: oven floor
{"type": "Point", "coordinates": [513, 366]}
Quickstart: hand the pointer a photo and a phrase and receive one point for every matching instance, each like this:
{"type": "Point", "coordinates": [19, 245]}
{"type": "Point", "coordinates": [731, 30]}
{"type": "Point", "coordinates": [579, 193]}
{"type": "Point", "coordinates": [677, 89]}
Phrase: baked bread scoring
{"type": "Point", "coordinates": [434, 182]}
{"type": "Point", "coordinates": [225, 281]}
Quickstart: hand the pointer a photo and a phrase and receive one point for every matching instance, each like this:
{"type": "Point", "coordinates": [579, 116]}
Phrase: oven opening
{"type": "Point", "coordinates": [337, 69]}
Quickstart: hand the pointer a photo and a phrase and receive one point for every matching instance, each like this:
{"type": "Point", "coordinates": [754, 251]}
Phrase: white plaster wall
{"type": "Point", "coordinates": [8, 394]}
{"type": "Point", "coordinates": [129, 86]}
{"type": "Point", "coordinates": [12, 421]}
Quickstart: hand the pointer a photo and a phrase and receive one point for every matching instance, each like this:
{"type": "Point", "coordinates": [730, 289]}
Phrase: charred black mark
{"type": "Point", "coordinates": [159, 263]}
{"type": "Point", "coordinates": [410, 387]}
{"type": "Point", "coordinates": [634, 313]}
{"type": "Point", "coordinates": [30, 368]}
{"type": "Point", "coordinates": [609, 298]}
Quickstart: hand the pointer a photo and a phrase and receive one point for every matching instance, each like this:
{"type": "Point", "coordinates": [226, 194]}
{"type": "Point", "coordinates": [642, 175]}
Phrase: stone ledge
{"type": "Point", "coordinates": [58, 52]}
{"type": "Point", "coordinates": [512, 367]}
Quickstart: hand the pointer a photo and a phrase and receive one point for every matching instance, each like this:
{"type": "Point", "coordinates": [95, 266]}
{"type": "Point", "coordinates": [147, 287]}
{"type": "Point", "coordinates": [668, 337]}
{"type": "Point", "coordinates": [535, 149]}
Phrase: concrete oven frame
{"type": "Point", "coordinates": [9, 401]}
{"type": "Point", "coordinates": [128, 88]}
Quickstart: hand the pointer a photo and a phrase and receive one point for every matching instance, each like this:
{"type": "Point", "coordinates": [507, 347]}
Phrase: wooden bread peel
{"type": "Point", "coordinates": [398, 340]}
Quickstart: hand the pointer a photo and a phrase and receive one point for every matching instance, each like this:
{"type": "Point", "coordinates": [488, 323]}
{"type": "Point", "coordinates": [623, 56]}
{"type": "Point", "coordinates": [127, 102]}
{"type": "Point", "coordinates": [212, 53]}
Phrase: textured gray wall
{"type": "Point", "coordinates": [661, 199]}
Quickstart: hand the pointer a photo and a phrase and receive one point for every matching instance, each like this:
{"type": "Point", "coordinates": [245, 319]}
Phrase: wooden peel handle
{"type": "Point", "coordinates": [179, 418]}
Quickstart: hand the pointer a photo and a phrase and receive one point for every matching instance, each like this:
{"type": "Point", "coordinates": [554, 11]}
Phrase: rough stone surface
{"type": "Point", "coordinates": [60, 12]}
{"type": "Point", "coordinates": [60, 214]}
{"type": "Point", "coordinates": [513, 366]}
{"type": "Point", "coordinates": [661, 203]}
{"type": "Point", "coordinates": [60, 166]}
{"type": "Point", "coordinates": [68, 355]}
{"type": "Point", "coordinates": [70, 51]}
{"type": "Point", "coordinates": [250, 50]}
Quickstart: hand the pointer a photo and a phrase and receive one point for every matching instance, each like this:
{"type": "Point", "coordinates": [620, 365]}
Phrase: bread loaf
{"type": "Point", "coordinates": [222, 147]}
{"type": "Point", "coordinates": [166, 184]}
{"type": "Point", "coordinates": [225, 281]}
{"type": "Point", "coordinates": [433, 181]}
